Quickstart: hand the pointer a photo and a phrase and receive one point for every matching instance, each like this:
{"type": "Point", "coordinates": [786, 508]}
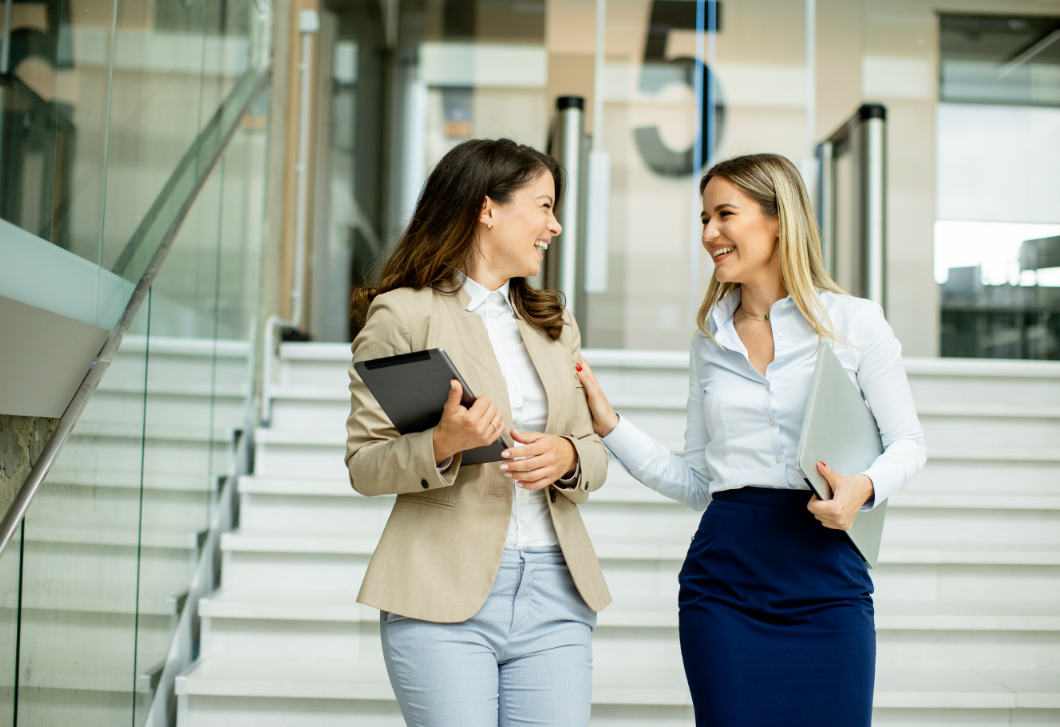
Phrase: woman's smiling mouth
{"type": "Point", "coordinates": [721, 251]}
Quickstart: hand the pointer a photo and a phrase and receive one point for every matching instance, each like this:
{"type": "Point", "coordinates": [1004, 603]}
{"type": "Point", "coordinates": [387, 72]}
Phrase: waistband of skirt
{"type": "Point", "coordinates": [764, 496]}
{"type": "Point", "coordinates": [550, 554]}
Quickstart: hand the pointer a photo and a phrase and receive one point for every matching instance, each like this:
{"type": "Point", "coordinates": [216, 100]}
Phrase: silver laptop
{"type": "Point", "coordinates": [840, 430]}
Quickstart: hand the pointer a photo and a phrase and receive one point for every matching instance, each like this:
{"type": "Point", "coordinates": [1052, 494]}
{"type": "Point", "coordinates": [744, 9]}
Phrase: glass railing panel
{"type": "Point", "coordinates": [175, 64]}
{"type": "Point", "coordinates": [9, 570]}
{"type": "Point", "coordinates": [137, 253]}
{"type": "Point", "coordinates": [82, 548]}
{"type": "Point", "coordinates": [203, 318]}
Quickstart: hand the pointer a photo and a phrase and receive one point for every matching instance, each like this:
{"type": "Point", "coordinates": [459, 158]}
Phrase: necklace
{"type": "Point", "coordinates": [754, 316]}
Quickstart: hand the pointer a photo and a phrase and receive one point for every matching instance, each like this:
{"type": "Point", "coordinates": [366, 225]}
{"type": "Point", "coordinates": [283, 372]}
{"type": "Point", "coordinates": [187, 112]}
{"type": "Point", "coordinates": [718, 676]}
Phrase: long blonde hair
{"type": "Point", "coordinates": [774, 183]}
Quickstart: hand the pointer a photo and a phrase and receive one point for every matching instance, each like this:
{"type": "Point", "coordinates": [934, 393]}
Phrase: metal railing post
{"type": "Point", "coordinates": [564, 264]}
{"type": "Point", "coordinates": [864, 138]}
{"type": "Point", "coordinates": [826, 204]}
{"type": "Point", "coordinates": [873, 188]}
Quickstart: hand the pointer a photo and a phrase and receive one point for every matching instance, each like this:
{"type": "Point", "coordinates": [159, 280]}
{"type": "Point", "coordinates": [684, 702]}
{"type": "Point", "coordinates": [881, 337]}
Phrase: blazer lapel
{"type": "Point", "coordinates": [475, 359]}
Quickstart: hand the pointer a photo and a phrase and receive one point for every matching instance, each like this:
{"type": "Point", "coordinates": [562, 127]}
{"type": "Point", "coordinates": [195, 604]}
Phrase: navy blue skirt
{"type": "Point", "coordinates": [776, 617]}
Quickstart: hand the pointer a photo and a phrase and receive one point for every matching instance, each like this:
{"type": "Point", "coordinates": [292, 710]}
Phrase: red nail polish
{"type": "Point", "coordinates": [822, 463]}
{"type": "Point", "coordinates": [578, 366]}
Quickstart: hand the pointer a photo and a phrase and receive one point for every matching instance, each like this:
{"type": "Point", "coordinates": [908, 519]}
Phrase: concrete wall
{"type": "Point", "coordinates": [22, 439]}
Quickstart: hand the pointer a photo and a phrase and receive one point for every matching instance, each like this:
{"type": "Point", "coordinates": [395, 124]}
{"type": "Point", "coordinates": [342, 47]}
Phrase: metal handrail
{"type": "Point", "coordinates": [257, 80]}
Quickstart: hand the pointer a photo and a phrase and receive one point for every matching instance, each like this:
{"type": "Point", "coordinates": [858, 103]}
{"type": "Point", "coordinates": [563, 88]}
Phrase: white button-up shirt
{"type": "Point", "coordinates": [743, 427]}
{"type": "Point", "coordinates": [531, 522]}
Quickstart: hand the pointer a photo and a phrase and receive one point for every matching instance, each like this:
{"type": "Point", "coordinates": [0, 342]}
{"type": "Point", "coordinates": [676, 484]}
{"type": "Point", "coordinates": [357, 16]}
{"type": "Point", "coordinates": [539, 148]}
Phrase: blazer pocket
{"type": "Point", "coordinates": [427, 501]}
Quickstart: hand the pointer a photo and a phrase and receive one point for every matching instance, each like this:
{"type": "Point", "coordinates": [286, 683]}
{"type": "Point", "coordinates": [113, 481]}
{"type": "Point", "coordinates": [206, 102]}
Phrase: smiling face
{"type": "Point", "coordinates": [741, 239]}
{"type": "Point", "coordinates": [513, 236]}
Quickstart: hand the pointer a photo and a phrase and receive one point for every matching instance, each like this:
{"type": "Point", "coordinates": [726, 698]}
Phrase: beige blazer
{"type": "Point", "coordinates": [443, 543]}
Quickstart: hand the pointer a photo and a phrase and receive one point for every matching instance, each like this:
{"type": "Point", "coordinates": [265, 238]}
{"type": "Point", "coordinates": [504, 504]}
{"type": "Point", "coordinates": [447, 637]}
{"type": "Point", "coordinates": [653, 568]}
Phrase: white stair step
{"type": "Point", "coordinates": [129, 447]}
{"type": "Point", "coordinates": [163, 562]}
{"type": "Point", "coordinates": [197, 484]}
{"type": "Point", "coordinates": [619, 684]}
{"type": "Point", "coordinates": [973, 553]}
{"type": "Point", "coordinates": [318, 453]}
{"type": "Point", "coordinates": [926, 573]}
{"type": "Point", "coordinates": [71, 600]}
{"type": "Point", "coordinates": [625, 509]}
{"type": "Point", "coordinates": [225, 362]}
{"type": "Point", "coordinates": [339, 606]}
{"type": "Point", "coordinates": [114, 507]}
{"type": "Point", "coordinates": [185, 402]}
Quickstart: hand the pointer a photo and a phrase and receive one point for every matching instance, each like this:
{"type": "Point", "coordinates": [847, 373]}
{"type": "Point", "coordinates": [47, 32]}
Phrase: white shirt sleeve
{"type": "Point", "coordinates": [569, 482]}
{"type": "Point", "coordinates": [682, 479]}
{"type": "Point", "coordinates": [883, 381]}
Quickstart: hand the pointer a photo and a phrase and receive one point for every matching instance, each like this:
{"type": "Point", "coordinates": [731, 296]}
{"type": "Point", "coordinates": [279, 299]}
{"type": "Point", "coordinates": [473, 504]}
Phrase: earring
{"type": "Point", "coordinates": [489, 227]}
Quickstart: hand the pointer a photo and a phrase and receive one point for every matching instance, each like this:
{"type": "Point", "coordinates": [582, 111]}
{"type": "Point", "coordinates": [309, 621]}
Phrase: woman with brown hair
{"type": "Point", "coordinates": [775, 604]}
{"type": "Point", "coordinates": [485, 576]}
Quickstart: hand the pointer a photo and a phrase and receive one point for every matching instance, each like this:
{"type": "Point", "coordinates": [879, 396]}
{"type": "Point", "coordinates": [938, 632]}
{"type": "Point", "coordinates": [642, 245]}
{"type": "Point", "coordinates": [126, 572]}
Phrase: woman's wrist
{"type": "Point", "coordinates": [572, 456]}
{"type": "Point", "coordinates": [442, 450]}
{"type": "Point", "coordinates": [607, 425]}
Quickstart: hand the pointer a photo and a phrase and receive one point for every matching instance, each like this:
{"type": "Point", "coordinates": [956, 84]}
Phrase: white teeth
{"type": "Point", "coordinates": [541, 245]}
{"type": "Point", "coordinates": [722, 251]}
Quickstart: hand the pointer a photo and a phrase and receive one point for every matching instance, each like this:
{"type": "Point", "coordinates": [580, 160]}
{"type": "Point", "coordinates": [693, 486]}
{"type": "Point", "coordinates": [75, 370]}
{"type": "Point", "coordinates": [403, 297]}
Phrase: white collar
{"type": "Point", "coordinates": [480, 293]}
{"type": "Point", "coordinates": [725, 309]}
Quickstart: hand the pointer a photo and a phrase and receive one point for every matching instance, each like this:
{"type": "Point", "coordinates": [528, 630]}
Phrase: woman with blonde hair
{"type": "Point", "coordinates": [776, 613]}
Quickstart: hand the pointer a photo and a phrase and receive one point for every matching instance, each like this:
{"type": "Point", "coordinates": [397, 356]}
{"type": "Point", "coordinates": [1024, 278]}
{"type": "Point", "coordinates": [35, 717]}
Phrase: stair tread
{"type": "Point", "coordinates": [126, 430]}
{"type": "Point", "coordinates": [629, 491]}
{"type": "Point", "coordinates": [342, 606]}
{"type": "Point", "coordinates": [86, 603]}
{"type": "Point", "coordinates": [612, 684]}
{"type": "Point", "coordinates": [179, 539]}
{"type": "Point", "coordinates": [126, 479]}
{"type": "Point", "coordinates": [336, 438]}
{"type": "Point", "coordinates": [934, 553]}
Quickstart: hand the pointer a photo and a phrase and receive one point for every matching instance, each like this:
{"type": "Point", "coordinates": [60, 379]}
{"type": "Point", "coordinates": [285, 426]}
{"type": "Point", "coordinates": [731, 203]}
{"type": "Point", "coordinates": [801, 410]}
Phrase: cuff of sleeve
{"type": "Point", "coordinates": [433, 475]}
{"type": "Point", "coordinates": [885, 482]}
{"type": "Point", "coordinates": [630, 445]}
{"type": "Point", "coordinates": [445, 465]}
{"type": "Point", "coordinates": [569, 483]}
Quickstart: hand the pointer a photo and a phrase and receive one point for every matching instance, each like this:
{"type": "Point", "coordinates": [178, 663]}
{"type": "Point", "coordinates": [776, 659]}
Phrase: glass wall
{"type": "Point", "coordinates": [971, 89]}
{"type": "Point", "coordinates": [102, 102]}
{"type": "Point", "coordinates": [115, 533]}
{"type": "Point", "coordinates": [997, 234]}
{"type": "Point", "coordinates": [114, 113]}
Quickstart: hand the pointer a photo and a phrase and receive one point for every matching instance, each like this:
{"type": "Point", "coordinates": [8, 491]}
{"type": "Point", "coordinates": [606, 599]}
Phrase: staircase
{"type": "Point", "coordinates": [967, 592]}
{"type": "Point", "coordinates": [106, 564]}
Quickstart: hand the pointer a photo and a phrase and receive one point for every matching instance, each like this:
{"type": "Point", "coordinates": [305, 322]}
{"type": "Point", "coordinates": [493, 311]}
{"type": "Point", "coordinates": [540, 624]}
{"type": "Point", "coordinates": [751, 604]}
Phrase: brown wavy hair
{"type": "Point", "coordinates": [440, 238]}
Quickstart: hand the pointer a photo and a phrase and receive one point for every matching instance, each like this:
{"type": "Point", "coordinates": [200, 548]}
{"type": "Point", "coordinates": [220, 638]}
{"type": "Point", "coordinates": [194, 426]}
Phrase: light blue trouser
{"type": "Point", "coordinates": [524, 659]}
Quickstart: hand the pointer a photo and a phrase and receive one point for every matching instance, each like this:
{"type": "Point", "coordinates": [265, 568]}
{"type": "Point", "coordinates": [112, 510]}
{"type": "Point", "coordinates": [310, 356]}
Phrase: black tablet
{"type": "Point", "coordinates": [412, 388]}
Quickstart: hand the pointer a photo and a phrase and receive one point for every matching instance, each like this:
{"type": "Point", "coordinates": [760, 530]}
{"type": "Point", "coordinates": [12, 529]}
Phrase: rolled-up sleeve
{"type": "Point", "coordinates": [882, 378]}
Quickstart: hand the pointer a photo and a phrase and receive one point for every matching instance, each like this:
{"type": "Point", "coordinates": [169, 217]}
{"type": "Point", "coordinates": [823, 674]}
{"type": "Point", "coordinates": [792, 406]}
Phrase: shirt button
{"type": "Point", "coordinates": [524, 531]}
{"type": "Point", "coordinates": [772, 422]}
{"type": "Point", "coordinates": [780, 335]}
{"type": "Point", "coordinates": [523, 494]}
{"type": "Point", "coordinates": [767, 387]}
{"type": "Point", "coordinates": [779, 460]}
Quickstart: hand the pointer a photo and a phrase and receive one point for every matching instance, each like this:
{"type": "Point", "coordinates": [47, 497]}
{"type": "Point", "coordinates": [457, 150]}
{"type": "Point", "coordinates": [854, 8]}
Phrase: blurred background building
{"type": "Point", "coordinates": [189, 190]}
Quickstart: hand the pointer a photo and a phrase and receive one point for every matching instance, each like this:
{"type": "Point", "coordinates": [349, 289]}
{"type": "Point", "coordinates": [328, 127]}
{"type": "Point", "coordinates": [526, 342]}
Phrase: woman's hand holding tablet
{"type": "Point", "coordinates": [463, 428]}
